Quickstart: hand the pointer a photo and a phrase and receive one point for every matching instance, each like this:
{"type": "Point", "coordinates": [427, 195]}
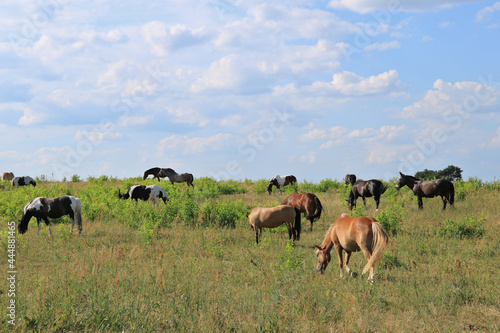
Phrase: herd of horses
{"type": "Point", "coordinates": [349, 234]}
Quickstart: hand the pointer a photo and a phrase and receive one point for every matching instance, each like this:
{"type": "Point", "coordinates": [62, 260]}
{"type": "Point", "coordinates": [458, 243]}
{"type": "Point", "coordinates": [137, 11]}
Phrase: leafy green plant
{"type": "Point", "coordinates": [390, 219]}
{"type": "Point", "coordinates": [469, 227]}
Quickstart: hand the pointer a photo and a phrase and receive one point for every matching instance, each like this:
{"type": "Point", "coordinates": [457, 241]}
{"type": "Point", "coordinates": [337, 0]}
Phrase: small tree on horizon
{"type": "Point", "coordinates": [451, 173]}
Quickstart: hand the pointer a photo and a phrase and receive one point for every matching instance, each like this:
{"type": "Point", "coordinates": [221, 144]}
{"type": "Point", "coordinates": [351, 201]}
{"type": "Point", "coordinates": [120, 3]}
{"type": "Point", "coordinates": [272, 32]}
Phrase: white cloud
{"type": "Point", "coordinates": [189, 145]}
{"type": "Point", "coordinates": [486, 13]}
{"type": "Point", "coordinates": [367, 6]}
{"type": "Point", "coordinates": [309, 157]}
{"type": "Point", "coordinates": [496, 140]}
{"type": "Point", "coordinates": [31, 117]}
{"type": "Point", "coordinates": [383, 46]}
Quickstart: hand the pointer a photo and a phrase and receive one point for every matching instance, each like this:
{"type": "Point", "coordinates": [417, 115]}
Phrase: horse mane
{"type": "Point", "coordinates": [413, 178]}
{"type": "Point", "coordinates": [169, 169]}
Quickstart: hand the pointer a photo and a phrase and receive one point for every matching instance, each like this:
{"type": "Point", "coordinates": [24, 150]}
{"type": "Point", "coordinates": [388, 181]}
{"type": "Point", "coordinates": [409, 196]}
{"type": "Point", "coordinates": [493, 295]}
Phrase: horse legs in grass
{"type": "Point", "coordinates": [377, 201]}
{"type": "Point", "coordinates": [420, 203]}
{"type": "Point", "coordinates": [444, 202]}
{"type": "Point", "coordinates": [347, 257]}
{"type": "Point", "coordinates": [339, 250]}
{"type": "Point", "coordinates": [364, 201]}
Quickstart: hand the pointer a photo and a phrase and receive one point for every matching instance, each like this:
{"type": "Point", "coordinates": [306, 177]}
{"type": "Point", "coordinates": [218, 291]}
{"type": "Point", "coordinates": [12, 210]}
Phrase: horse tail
{"type": "Point", "coordinates": [78, 214]}
{"type": "Point", "coordinates": [383, 189]}
{"type": "Point", "coordinates": [452, 194]}
{"type": "Point", "coordinates": [120, 194]}
{"type": "Point", "coordinates": [297, 226]}
{"type": "Point", "coordinates": [317, 212]}
{"type": "Point", "coordinates": [379, 242]}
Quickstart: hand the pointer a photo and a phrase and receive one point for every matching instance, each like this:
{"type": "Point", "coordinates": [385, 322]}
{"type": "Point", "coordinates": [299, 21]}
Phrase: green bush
{"type": "Point", "coordinates": [469, 227]}
{"type": "Point", "coordinates": [224, 214]}
{"type": "Point", "coordinates": [390, 219]}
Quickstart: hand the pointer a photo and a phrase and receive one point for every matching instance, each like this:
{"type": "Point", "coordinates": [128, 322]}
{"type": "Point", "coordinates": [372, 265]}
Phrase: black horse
{"type": "Point", "coordinates": [428, 189]}
{"type": "Point", "coordinates": [43, 208]}
{"type": "Point", "coordinates": [365, 189]}
{"type": "Point", "coordinates": [349, 179]}
{"type": "Point", "coordinates": [153, 171]}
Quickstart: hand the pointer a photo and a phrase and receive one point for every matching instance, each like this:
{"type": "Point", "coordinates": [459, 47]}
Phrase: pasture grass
{"type": "Point", "coordinates": [141, 268]}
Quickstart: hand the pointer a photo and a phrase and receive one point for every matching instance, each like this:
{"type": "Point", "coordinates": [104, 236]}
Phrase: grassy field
{"type": "Point", "coordinates": [193, 265]}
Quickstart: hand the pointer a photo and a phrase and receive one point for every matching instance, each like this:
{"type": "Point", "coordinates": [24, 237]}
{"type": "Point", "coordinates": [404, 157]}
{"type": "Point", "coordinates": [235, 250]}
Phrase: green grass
{"type": "Point", "coordinates": [193, 265]}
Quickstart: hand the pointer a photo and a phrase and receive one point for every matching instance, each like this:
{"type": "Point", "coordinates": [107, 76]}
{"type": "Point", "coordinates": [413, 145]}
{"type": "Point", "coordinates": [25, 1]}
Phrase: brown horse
{"type": "Point", "coordinates": [428, 189]}
{"type": "Point", "coordinates": [7, 176]}
{"type": "Point", "coordinates": [273, 217]}
{"type": "Point", "coordinates": [175, 177]}
{"type": "Point", "coordinates": [352, 234]}
{"type": "Point", "coordinates": [280, 181]}
{"type": "Point", "coordinates": [153, 171]}
{"type": "Point", "coordinates": [366, 189]}
{"type": "Point", "coordinates": [307, 203]}
{"type": "Point", "coordinates": [349, 179]}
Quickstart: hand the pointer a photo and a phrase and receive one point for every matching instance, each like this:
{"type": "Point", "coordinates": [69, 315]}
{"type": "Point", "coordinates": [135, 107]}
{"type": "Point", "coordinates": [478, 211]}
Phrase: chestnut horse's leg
{"type": "Point", "coordinates": [347, 257]}
{"type": "Point", "coordinates": [368, 254]}
{"type": "Point", "coordinates": [339, 249]}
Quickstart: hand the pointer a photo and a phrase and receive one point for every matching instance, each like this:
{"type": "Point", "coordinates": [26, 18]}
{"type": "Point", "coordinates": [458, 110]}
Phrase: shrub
{"type": "Point", "coordinates": [390, 219]}
{"type": "Point", "coordinates": [222, 214]}
{"type": "Point", "coordinates": [469, 227]}
{"type": "Point", "coordinates": [188, 209]}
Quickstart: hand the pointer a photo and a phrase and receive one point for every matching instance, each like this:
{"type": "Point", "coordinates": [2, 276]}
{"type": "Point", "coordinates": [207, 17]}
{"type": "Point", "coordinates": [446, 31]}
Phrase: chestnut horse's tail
{"type": "Point", "coordinates": [379, 242]}
{"type": "Point", "coordinates": [317, 212]}
{"type": "Point", "coordinates": [297, 225]}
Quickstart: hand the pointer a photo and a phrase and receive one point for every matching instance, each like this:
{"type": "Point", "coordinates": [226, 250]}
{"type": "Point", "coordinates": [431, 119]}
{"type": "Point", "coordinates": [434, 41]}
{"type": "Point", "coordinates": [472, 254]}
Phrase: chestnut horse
{"type": "Point", "coordinates": [349, 179]}
{"type": "Point", "coordinates": [175, 177]}
{"type": "Point", "coordinates": [353, 234]}
{"type": "Point", "coordinates": [7, 176]}
{"type": "Point", "coordinates": [43, 208]}
{"type": "Point", "coordinates": [307, 203]}
{"type": "Point", "coordinates": [366, 189]}
{"type": "Point", "coordinates": [280, 181]}
{"type": "Point", "coordinates": [428, 189]}
{"type": "Point", "coordinates": [273, 217]}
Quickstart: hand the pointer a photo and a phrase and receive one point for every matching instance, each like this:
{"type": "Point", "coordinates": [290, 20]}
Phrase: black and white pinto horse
{"type": "Point", "coordinates": [23, 181]}
{"type": "Point", "coordinates": [145, 193]}
{"type": "Point", "coordinates": [175, 177]}
{"type": "Point", "coordinates": [279, 181]}
{"type": "Point", "coordinates": [365, 189]}
{"type": "Point", "coordinates": [43, 208]}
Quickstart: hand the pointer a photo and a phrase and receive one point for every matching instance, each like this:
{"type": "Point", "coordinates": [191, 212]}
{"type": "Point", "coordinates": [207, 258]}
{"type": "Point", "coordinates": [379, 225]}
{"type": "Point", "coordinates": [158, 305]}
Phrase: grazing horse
{"type": "Point", "coordinates": [175, 177]}
{"type": "Point", "coordinates": [352, 234]}
{"type": "Point", "coordinates": [349, 179]}
{"type": "Point", "coordinates": [153, 171]}
{"type": "Point", "coordinates": [145, 193]}
{"type": "Point", "coordinates": [307, 203]}
{"type": "Point", "coordinates": [428, 189]}
{"type": "Point", "coordinates": [273, 217]}
{"type": "Point", "coordinates": [280, 181]}
{"type": "Point", "coordinates": [43, 208]}
{"type": "Point", "coordinates": [366, 189]}
{"type": "Point", "coordinates": [7, 176]}
{"type": "Point", "coordinates": [23, 181]}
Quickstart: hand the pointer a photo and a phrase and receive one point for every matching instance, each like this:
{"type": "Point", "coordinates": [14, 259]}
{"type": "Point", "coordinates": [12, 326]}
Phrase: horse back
{"type": "Point", "coordinates": [271, 217]}
{"type": "Point", "coordinates": [350, 231]}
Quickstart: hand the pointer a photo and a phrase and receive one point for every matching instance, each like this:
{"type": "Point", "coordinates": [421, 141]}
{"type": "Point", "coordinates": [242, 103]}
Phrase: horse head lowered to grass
{"type": "Point", "coordinates": [43, 208]}
{"type": "Point", "coordinates": [353, 234]}
{"type": "Point", "coordinates": [279, 181]}
{"type": "Point", "coordinates": [428, 189]}
{"type": "Point", "coordinates": [145, 193]}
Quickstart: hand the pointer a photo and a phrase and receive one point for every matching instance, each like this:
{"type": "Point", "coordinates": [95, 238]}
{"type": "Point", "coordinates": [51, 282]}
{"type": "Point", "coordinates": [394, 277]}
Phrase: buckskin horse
{"type": "Point", "coordinates": [279, 181]}
{"type": "Point", "coordinates": [353, 234]}
{"type": "Point", "coordinates": [273, 217]}
{"type": "Point", "coordinates": [428, 189]}
{"type": "Point", "coordinates": [175, 177]}
{"type": "Point", "coordinates": [145, 193]}
{"type": "Point", "coordinates": [366, 189]}
{"type": "Point", "coordinates": [307, 203]}
{"type": "Point", "coordinates": [43, 208]}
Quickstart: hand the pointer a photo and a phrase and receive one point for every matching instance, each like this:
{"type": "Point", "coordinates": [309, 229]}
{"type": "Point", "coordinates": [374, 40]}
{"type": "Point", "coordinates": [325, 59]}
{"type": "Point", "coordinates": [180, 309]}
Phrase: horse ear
{"type": "Point", "coordinates": [318, 247]}
{"type": "Point", "coordinates": [401, 174]}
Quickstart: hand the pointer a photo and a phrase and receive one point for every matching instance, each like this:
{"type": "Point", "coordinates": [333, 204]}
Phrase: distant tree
{"type": "Point", "coordinates": [451, 173]}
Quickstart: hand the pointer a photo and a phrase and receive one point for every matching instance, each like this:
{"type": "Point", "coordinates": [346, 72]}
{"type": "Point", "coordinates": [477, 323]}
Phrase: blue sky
{"type": "Point", "coordinates": [249, 89]}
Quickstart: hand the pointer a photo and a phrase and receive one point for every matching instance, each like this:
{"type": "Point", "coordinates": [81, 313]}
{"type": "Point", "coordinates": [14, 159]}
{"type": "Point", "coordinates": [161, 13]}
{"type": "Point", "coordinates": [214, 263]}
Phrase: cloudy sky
{"type": "Point", "coordinates": [249, 89]}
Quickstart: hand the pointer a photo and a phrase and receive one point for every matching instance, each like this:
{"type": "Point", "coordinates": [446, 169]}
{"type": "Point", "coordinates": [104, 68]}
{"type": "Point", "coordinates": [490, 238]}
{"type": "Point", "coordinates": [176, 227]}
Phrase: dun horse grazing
{"type": "Point", "coordinates": [23, 181]}
{"type": "Point", "coordinates": [145, 193]}
{"type": "Point", "coordinates": [307, 203]}
{"type": "Point", "coordinates": [366, 189]}
{"type": "Point", "coordinates": [7, 176]}
{"type": "Point", "coordinates": [153, 171]}
{"type": "Point", "coordinates": [349, 179]}
{"type": "Point", "coordinates": [352, 234]}
{"type": "Point", "coordinates": [273, 217]}
{"type": "Point", "coordinates": [175, 177]}
{"type": "Point", "coordinates": [43, 208]}
{"type": "Point", "coordinates": [428, 189]}
{"type": "Point", "coordinates": [280, 181]}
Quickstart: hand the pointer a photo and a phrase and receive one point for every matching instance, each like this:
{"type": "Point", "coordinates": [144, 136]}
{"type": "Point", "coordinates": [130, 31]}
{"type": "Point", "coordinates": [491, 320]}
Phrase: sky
{"type": "Point", "coordinates": [249, 89]}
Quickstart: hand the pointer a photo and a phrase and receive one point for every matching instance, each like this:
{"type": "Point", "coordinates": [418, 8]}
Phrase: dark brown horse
{"type": "Point", "coordinates": [307, 203]}
{"type": "Point", "coordinates": [349, 179]}
{"type": "Point", "coordinates": [280, 181]}
{"type": "Point", "coordinates": [153, 171]}
{"type": "Point", "coordinates": [428, 189]}
{"type": "Point", "coordinates": [366, 189]}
